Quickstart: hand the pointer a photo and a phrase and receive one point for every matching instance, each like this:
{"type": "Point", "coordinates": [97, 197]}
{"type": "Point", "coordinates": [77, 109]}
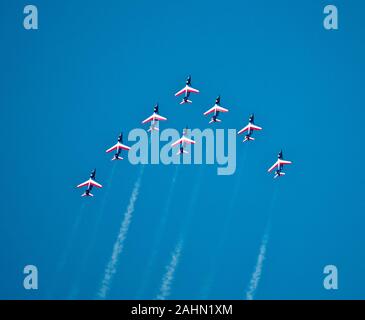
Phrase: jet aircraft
{"type": "Point", "coordinates": [118, 147]}
{"type": "Point", "coordinates": [216, 109]}
{"type": "Point", "coordinates": [186, 91]}
{"type": "Point", "coordinates": [90, 184]}
{"type": "Point", "coordinates": [182, 142]}
{"type": "Point", "coordinates": [249, 129]}
{"type": "Point", "coordinates": [279, 165]}
{"type": "Point", "coordinates": [154, 119]}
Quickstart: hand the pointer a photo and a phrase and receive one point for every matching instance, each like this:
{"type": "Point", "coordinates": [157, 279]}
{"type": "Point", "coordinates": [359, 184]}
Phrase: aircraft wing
{"type": "Point", "coordinates": [244, 129]}
{"type": "Point", "coordinates": [187, 140]}
{"type": "Point", "coordinates": [90, 182]}
{"type": "Point", "coordinates": [95, 184]}
{"type": "Point", "coordinates": [284, 162]}
{"type": "Point", "coordinates": [177, 142]}
{"type": "Point", "coordinates": [183, 140]}
{"type": "Point", "coordinates": [186, 89]}
{"type": "Point", "coordinates": [180, 92]}
{"type": "Point", "coordinates": [118, 146]}
{"type": "Point", "coordinates": [190, 89]}
{"type": "Point", "coordinates": [276, 164]}
{"type": "Point", "coordinates": [155, 116]}
{"type": "Point", "coordinates": [148, 119]}
{"type": "Point", "coordinates": [123, 146]}
{"type": "Point", "coordinates": [255, 127]}
{"type": "Point", "coordinates": [160, 118]}
{"type": "Point", "coordinates": [250, 126]}
{"type": "Point", "coordinates": [215, 108]}
{"type": "Point", "coordinates": [112, 148]}
{"type": "Point", "coordinates": [221, 109]}
{"type": "Point", "coordinates": [211, 110]}
{"type": "Point", "coordinates": [86, 183]}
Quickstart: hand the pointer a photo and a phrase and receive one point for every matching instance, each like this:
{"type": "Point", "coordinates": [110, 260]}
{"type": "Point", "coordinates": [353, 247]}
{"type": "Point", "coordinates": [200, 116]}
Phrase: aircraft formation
{"type": "Point", "coordinates": [154, 119]}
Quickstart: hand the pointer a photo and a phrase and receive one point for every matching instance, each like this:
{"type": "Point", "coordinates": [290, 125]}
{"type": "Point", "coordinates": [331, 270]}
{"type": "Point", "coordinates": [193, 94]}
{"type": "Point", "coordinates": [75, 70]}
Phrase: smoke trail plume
{"type": "Point", "coordinates": [111, 268]}
{"type": "Point", "coordinates": [171, 268]}
{"type": "Point", "coordinates": [158, 235]}
{"type": "Point", "coordinates": [256, 275]}
{"type": "Point", "coordinates": [170, 273]}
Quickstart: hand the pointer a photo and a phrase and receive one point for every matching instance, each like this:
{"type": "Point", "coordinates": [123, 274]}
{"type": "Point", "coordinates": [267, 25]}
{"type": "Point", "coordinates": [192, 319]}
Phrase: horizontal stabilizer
{"type": "Point", "coordinates": [216, 120]}
{"type": "Point", "coordinates": [117, 158]}
{"type": "Point", "coordinates": [153, 128]}
{"type": "Point", "coordinates": [183, 151]}
{"type": "Point", "coordinates": [248, 139]}
{"type": "Point", "coordinates": [185, 101]}
{"type": "Point", "coordinates": [279, 175]}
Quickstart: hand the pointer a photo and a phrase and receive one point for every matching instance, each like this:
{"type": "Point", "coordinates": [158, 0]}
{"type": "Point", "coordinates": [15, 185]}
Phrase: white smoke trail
{"type": "Point", "coordinates": [256, 275]}
{"type": "Point", "coordinates": [171, 268]}
{"type": "Point", "coordinates": [170, 273]}
{"type": "Point", "coordinates": [111, 268]}
{"type": "Point", "coordinates": [158, 235]}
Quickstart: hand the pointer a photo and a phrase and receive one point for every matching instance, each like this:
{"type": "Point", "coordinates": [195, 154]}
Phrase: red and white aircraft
{"type": "Point", "coordinates": [118, 147]}
{"type": "Point", "coordinates": [187, 90]}
{"type": "Point", "coordinates": [154, 119]}
{"type": "Point", "coordinates": [216, 109]}
{"type": "Point", "coordinates": [90, 184]}
{"type": "Point", "coordinates": [279, 164]}
{"type": "Point", "coordinates": [250, 128]}
{"type": "Point", "coordinates": [183, 141]}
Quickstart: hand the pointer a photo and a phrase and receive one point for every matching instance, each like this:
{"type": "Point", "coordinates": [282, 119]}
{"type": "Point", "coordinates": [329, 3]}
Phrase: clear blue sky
{"type": "Point", "coordinates": [95, 68]}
